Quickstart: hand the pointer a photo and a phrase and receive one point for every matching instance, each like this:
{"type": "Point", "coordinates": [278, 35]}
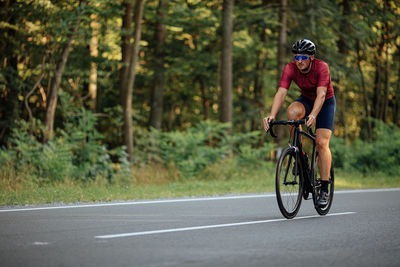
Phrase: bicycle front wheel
{"type": "Point", "coordinates": [289, 183]}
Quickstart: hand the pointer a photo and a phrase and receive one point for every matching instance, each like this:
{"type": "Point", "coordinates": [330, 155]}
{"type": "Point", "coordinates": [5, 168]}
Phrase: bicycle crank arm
{"type": "Point", "coordinates": [290, 183]}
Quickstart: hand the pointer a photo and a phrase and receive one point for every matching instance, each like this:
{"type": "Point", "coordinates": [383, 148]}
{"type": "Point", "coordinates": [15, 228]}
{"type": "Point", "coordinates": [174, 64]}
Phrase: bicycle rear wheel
{"type": "Point", "coordinates": [289, 183]}
{"type": "Point", "coordinates": [317, 188]}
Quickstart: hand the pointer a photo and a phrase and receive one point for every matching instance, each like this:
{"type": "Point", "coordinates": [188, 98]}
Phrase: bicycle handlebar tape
{"type": "Point", "coordinates": [272, 132]}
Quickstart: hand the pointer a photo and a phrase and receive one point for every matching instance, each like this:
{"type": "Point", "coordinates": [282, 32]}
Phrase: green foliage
{"type": "Point", "coordinates": [381, 154]}
{"type": "Point", "coordinates": [146, 146]}
{"type": "Point", "coordinates": [76, 152]}
{"type": "Point", "coordinates": [195, 148]}
{"type": "Point", "coordinates": [89, 156]}
{"type": "Point", "coordinates": [198, 147]}
{"type": "Point", "coordinates": [247, 149]}
{"type": "Point", "coordinates": [50, 162]}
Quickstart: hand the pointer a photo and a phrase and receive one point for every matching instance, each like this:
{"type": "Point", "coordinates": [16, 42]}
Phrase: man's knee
{"type": "Point", "coordinates": [322, 143]}
{"type": "Point", "coordinates": [322, 139]}
{"type": "Point", "coordinates": [296, 111]}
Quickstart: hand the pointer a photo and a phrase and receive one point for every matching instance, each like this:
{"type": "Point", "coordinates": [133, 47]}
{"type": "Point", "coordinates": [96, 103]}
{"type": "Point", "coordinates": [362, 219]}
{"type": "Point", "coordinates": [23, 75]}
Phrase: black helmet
{"type": "Point", "coordinates": [303, 47]}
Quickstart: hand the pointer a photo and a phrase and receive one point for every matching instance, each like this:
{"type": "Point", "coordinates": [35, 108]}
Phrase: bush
{"type": "Point", "coordinates": [381, 154]}
{"type": "Point", "coordinates": [52, 161]}
{"type": "Point", "coordinates": [75, 152]}
{"type": "Point", "coordinates": [207, 143]}
{"type": "Point", "coordinates": [192, 150]}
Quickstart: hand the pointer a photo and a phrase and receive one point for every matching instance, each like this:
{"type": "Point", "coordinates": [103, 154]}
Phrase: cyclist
{"type": "Point", "coordinates": [317, 103]}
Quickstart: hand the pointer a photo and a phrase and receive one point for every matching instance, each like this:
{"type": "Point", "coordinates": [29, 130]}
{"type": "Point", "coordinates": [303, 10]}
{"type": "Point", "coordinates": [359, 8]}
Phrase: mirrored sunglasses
{"type": "Point", "coordinates": [302, 57]}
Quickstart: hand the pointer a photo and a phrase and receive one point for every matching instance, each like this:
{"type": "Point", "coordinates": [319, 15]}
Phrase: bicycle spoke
{"type": "Point", "coordinates": [287, 169]}
{"type": "Point", "coordinates": [288, 184]}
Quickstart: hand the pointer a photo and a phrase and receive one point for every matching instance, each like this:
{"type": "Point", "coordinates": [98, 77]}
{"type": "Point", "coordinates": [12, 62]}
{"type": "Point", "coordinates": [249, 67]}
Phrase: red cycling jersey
{"type": "Point", "coordinates": [319, 76]}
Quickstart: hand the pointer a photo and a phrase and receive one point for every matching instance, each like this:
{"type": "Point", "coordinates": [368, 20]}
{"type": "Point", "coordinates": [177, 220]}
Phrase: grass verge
{"type": "Point", "coordinates": [152, 182]}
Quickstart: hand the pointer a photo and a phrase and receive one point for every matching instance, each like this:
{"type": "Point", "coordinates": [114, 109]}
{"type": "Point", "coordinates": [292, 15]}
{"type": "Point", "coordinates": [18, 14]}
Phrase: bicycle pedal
{"type": "Point", "coordinates": [306, 195]}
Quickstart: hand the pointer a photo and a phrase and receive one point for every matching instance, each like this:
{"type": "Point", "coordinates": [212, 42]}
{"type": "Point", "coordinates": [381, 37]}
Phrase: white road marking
{"type": "Point", "coordinates": [128, 203]}
{"type": "Point", "coordinates": [352, 191]}
{"type": "Point", "coordinates": [40, 243]}
{"type": "Point", "coordinates": [142, 202]}
{"type": "Point", "coordinates": [211, 226]}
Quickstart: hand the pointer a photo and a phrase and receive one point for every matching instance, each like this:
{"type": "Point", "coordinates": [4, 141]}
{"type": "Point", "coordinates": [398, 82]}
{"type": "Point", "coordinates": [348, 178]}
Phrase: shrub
{"type": "Point", "coordinates": [208, 143]}
{"type": "Point", "coordinates": [381, 154]}
{"type": "Point", "coordinates": [76, 150]}
{"type": "Point", "coordinates": [192, 150]}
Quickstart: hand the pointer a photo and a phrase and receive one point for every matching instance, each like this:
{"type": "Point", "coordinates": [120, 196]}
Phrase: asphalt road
{"type": "Point", "coordinates": [362, 229]}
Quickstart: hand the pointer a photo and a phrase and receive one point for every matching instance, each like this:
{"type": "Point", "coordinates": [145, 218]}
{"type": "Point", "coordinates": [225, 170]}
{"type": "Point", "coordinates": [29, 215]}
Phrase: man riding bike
{"type": "Point", "coordinates": [317, 102]}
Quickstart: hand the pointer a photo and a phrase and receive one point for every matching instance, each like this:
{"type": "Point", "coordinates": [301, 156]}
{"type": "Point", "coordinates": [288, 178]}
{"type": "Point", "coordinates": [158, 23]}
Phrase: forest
{"type": "Point", "coordinates": [95, 87]}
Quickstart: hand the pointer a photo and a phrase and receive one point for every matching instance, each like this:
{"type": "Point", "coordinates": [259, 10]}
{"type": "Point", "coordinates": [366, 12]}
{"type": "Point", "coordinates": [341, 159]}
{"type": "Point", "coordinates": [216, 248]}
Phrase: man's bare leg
{"type": "Point", "coordinates": [324, 153]}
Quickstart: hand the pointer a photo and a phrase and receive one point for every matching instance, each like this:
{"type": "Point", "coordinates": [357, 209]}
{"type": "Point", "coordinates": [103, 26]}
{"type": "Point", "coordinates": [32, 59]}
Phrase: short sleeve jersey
{"type": "Point", "coordinates": [319, 76]}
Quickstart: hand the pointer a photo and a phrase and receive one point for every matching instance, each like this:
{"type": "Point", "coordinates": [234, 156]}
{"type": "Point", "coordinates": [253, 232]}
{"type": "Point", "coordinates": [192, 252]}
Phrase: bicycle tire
{"type": "Point", "coordinates": [317, 186]}
{"type": "Point", "coordinates": [289, 195]}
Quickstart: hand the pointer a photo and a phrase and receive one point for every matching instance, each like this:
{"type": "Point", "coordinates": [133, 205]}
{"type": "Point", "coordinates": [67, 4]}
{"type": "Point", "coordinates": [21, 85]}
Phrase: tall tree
{"type": "Point", "coordinates": [260, 70]}
{"type": "Point", "coordinates": [226, 62]}
{"type": "Point", "coordinates": [128, 85]}
{"type": "Point", "coordinates": [343, 47]}
{"type": "Point", "coordinates": [126, 47]}
{"type": "Point", "coordinates": [378, 59]}
{"type": "Point", "coordinates": [396, 109]}
{"type": "Point", "coordinates": [364, 91]}
{"type": "Point", "coordinates": [386, 29]}
{"type": "Point", "coordinates": [282, 44]}
{"type": "Point", "coordinates": [9, 104]}
{"type": "Point", "coordinates": [55, 85]}
{"type": "Point", "coordinates": [159, 69]}
{"type": "Point", "coordinates": [94, 53]}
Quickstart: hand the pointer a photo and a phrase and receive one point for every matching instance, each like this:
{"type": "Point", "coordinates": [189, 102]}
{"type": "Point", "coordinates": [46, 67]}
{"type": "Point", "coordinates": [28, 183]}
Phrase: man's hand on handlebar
{"type": "Point", "coordinates": [266, 121]}
{"type": "Point", "coordinates": [310, 121]}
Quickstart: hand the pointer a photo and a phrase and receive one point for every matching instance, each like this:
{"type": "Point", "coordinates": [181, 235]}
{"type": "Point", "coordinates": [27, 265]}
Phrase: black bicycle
{"type": "Point", "coordinates": [296, 178]}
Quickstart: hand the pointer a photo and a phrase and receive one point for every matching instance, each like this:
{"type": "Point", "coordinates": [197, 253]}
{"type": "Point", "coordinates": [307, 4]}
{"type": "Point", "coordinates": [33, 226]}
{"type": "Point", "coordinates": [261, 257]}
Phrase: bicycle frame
{"type": "Point", "coordinates": [296, 143]}
{"type": "Point", "coordinates": [299, 149]}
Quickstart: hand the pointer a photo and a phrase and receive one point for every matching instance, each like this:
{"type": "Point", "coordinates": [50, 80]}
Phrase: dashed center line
{"type": "Point", "coordinates": [37, 243]}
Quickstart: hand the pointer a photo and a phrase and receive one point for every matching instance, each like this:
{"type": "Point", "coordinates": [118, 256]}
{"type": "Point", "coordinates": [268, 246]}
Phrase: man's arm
{"type": "Point", "coordinates": [276, 105]}
{"type": "Point", "coordinates": [319, 101]}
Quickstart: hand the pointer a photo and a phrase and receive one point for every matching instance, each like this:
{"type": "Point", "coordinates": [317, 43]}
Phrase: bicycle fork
{"type": "Point", "coordinates": [296, 168]}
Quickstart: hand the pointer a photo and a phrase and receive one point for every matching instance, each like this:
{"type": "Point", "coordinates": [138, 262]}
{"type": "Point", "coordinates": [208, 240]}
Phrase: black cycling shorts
{"type": "Point", "coordinates": [326, 116]}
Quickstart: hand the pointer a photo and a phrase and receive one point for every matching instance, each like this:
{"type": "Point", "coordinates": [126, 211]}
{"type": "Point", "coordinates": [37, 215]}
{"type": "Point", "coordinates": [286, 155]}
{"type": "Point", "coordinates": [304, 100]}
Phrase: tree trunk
{"type": "Point", "coordinates": [344, 29]}
{"type": "Point", "coordinates": [94, 52]}
{"type": "Point", "coordinates": [55, 85]}
{"type": "Point", "coordinates": [396, 119]}
{"type": "Point", "coordinates": [226, 62]}
{"type": "Point", "coordinates": [159, 70]}
{"type": "Point", "coordinates": [260, 68]}
{"type": "Point", "coordinates": [378, 82]}
{"type": "Point", "coordinates": [9, 103]}
{"type": "Point", "coordinates": [282, 38]}
{"type": "Point", "coordinates": [385, 102]}
{"type": "Point", "coordinates": [204, 100]}
{"type": "Point", "coordinates": [258, 100]}
{"type": "Point", "coordinates": [126, 48]}
{"type": "Point", "coordinates": [281, 59]}
{"type": "Point", "coordinates": [364, 92]}
{"type": "Point", "coordinates": [128, 130]}
{"type": "Point", "coordinates": [344, 32]}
